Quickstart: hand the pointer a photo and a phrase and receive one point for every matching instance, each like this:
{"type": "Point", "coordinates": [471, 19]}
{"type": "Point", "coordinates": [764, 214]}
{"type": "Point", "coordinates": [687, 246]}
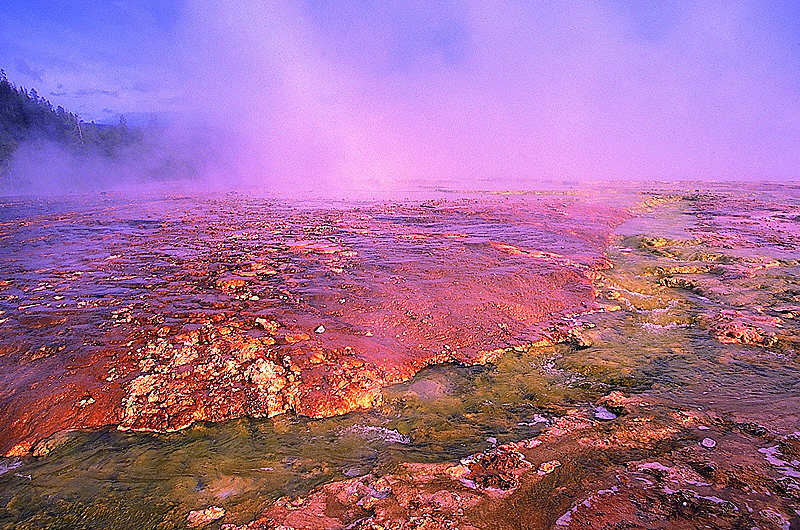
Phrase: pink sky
{"type": "Point", "coordinates": [363, 94]}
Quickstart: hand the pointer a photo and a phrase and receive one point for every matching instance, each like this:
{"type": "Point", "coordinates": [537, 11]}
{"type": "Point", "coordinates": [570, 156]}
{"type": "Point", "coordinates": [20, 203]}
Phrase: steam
{"type": "Point", "coordinates": [309, 96]}
{"type": "Point", "coordinates": [173, 158]}
{"type": "Point", "coordinates": [347, 95]}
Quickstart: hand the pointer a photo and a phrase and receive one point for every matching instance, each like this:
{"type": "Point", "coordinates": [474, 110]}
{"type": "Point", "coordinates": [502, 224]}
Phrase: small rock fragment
{"type": "Point", "coordinates": [199, 518]}
{"type": "Point", "coordinates": [548, 467]}
{"type": "Point", "coordinates": [269, 325]}
{"type": "Point", "coordinates": [708, 443]}
{"type": "Point", "coordinates": [85, 401]}
{"type": "Point", "coordinates": [458, 472]}
{"type": "Point", "coordinates": [320, 329]}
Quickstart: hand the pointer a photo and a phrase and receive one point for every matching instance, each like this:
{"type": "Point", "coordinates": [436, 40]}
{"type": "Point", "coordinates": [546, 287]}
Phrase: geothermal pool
{"type": "Point", "coordinates": [573, 358]}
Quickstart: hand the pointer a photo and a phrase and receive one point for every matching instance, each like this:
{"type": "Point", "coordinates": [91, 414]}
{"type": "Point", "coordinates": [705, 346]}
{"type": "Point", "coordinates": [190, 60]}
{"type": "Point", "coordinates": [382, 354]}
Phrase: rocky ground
{"type": "Point", "coordinates": [637, 462]}
{"type": "Point", "coordinates": [647, 464]}
{"type": "Point", "coordinates": [152, 315]}
{"type": "Point", "coordinates": [691, 414]}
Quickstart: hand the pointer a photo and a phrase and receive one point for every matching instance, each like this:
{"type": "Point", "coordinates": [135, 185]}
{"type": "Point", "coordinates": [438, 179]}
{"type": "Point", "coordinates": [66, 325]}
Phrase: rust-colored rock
{"type": "Point", "coordinates": [210, 313]}
{"type": "Point", "coordinates": [198, 518]}
{"type": "Point", "coordinates": [497, 468]}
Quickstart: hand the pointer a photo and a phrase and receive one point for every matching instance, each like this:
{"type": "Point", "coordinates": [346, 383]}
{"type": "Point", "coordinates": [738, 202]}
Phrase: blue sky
{"type": "Point", "coordinates": [93, 57]}
{"type": "Point", "coordinates": [608, 89]}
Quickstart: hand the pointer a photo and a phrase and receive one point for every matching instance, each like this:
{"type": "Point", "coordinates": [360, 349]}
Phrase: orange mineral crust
{"type": "Point", "coordinates": [152, 314]}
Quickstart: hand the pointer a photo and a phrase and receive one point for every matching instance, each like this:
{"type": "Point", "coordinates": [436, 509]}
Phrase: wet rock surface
{"type": "Point", "coordinates": [673, 459]}
{"type": "Point", "coordinates": [199, 518]}
{"type": "Point", "coordinates": [154, 314]}
{"type": "Point", "coordinates": [677, 410]}
{"type": "Point", "coordinates": [644, 471]}
{"type": "Point", "coordinates": [737, 252]}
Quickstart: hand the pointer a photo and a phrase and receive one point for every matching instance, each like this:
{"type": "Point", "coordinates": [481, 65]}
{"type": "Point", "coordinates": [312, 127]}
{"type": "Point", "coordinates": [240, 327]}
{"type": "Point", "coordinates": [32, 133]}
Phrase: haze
{"type": "Point", "coordinates": [305, 95]}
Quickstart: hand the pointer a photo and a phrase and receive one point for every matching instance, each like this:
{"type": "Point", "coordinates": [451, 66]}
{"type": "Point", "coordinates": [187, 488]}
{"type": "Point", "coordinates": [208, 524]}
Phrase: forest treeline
{"type": "Point", "coordinates": [27, 117]}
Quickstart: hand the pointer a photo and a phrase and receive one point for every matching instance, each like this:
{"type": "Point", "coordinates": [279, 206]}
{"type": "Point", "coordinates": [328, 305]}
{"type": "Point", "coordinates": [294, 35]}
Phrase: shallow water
{"type": "Point", "coordinates": [660, 342]}
{"type": "Point", "coordinates": [246, 463]}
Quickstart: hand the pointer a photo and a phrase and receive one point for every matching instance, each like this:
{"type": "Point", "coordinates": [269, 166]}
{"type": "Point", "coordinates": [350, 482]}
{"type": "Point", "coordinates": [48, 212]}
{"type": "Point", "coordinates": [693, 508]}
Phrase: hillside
{"type": "Point", "coordinates": [27, 117]}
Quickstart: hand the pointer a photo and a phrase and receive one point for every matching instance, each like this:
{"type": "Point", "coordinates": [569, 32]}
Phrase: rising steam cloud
{"type": "Point", "coordinates": [312, 95]}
